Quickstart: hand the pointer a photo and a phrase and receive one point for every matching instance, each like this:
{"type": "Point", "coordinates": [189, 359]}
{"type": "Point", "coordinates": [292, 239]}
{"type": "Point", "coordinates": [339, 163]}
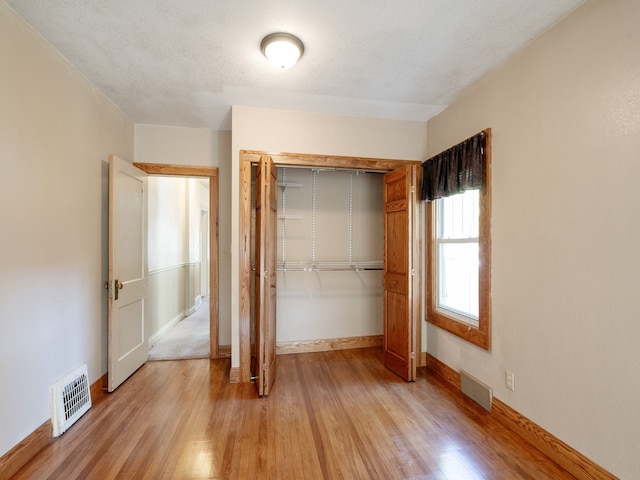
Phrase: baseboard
{"type": "Point", "coordinates": [224, 351]}
{"type": "Point", "coordinates": [18, 456]}
{"type": "Point", "coordinates": [234, 375]}
{"type": "Point", "coordinates": [154, 338]}
{"type": "Point", "coordinates": [98, 389]}
{"type": "Point", "coordinates": [328, 344]}
{"type": "Point", "coordinates": [554, 448]}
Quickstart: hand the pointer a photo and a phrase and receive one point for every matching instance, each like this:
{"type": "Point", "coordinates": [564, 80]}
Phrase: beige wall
{"type": "Point", "coordinates": [56, 133]}
{"type": "Point", "coordinates": [174, 249]}
{"type": "Point", "coordinates": [565, 115]}
{"type": "Point", "coordinates": [200, 147]}
{"type": "Point", "coordinates": [298, 132]}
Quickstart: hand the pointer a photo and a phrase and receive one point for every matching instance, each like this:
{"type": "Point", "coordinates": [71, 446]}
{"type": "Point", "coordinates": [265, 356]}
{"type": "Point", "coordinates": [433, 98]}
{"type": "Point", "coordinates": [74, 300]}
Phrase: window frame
{"type": "Point", "coordinates": [480, 335]}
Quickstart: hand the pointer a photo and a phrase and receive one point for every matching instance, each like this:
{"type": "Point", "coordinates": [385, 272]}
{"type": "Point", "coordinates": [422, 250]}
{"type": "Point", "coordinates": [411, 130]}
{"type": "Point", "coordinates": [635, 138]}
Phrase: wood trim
{"type": "Point", "coordinates": [480, 336]}
{"type": "Point", "coordinates": [214, 236]}
{"type": "Point", "coordinates": [245, 273]}
{"type": "Point", "coordinates": [224, 351]}
{"type": "Point", "coordinates": [249, 157]}
{"type": "Point", "coordinates": [18, 456]}
{"type": "Point", "coordinates": [98, 389]}
{"type": "Point", "coordinates": [177, 170]}
{"type": "Point", "coordinates": [327, 161]}
{"type": "Point", "coordinates": [328, 344]}
{"type": "Point", "coordinates": [214, 266]}
{"type": "Point", "coordinates": [14, 459]}
{"type": "Point", "coordinates": [554, 448]}
{"type": "Point", "coordinates": [416, 267]}
{"type": "Point", "coordinates": [442, 370]}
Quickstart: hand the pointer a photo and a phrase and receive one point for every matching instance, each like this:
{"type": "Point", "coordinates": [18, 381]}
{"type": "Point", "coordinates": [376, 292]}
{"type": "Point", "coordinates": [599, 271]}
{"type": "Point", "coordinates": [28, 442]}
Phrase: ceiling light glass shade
{"type": "Point", "coordinates": [282, 49]}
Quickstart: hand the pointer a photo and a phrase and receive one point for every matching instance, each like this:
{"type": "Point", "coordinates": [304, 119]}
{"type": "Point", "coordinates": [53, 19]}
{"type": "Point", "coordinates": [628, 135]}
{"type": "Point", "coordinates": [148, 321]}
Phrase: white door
{"type": "Point", "coordinates": [128, 348]}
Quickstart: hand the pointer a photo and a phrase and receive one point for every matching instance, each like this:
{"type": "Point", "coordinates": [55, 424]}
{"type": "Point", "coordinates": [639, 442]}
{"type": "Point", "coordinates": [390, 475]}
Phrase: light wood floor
{"type": "Point", "coordinates": [331, 415]}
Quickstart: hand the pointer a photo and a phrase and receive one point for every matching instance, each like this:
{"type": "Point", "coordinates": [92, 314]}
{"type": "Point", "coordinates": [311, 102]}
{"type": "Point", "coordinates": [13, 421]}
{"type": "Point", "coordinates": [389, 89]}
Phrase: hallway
{"type": "Point", "coordinates": [189, 338]}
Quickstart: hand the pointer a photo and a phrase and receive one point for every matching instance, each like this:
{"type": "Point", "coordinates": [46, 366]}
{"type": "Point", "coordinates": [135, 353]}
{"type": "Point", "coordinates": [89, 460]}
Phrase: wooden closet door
{"type": "Point", "coordinates": [266, 274]}
{"type": "Point", "coordinates": [400, 252]}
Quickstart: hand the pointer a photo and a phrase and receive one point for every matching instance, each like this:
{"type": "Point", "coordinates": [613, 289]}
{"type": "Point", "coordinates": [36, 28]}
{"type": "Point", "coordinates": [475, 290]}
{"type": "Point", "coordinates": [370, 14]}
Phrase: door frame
{"type": "Point", "coordinates": [214, 295]}
{"type": "Point", "coordinates": [252, 157]}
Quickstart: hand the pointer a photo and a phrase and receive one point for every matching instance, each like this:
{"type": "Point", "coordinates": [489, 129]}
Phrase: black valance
{"type": "Point", "coordinates": [455, 170]}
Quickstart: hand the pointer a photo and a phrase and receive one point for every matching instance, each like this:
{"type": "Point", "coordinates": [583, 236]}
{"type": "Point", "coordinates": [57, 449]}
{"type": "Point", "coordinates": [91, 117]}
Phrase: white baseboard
{"type": "Point", "coordinates": [154, 338]}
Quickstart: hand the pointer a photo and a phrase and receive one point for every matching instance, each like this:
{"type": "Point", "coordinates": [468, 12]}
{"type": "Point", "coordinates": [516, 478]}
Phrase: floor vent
{"type": "Point", "coordinates": [70, 399]}
{"type": "Point", "coordinates": [476, 390]}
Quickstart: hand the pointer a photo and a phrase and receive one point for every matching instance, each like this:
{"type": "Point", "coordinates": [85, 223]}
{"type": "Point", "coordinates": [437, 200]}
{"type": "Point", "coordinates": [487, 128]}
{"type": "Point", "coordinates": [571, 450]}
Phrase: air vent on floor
{"type": "Point", "coordinates": [70, 399]}
{"type": "Point", "coordinates": [476, 390]}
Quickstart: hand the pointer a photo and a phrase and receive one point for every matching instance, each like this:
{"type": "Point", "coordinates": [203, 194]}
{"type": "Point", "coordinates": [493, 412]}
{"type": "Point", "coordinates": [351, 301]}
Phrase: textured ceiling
{"type": "Point", "coordinates": [185, 63]}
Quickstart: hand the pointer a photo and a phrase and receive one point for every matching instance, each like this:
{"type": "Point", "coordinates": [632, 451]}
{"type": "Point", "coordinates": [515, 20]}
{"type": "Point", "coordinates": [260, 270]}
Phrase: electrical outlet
{"type": "Point", "coordinates": [510, 380]}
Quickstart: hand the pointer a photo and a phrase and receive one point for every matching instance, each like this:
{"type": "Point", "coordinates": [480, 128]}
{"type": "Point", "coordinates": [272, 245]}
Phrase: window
{"type": "Point", "coordinates": [459, 253]}
{"type": "Point", "coordinates": [456, 253]}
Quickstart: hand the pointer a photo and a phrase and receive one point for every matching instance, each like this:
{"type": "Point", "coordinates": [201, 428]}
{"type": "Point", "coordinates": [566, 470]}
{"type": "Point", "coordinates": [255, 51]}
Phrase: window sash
{"type": "Point", "coordinates": [464, 296]}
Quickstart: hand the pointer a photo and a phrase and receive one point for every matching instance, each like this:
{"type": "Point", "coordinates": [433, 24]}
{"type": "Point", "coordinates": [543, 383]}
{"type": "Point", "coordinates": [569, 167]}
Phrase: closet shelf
{"type": "Point", "coordinates": [289, 185]}
{"type": "Point", "coordinates": [331, 266]}
{"type": "Point", "coordinates": [291, 267]}
{"type": "Point", "coordinates": [290, 217]}
{"type": "Point", "coordinates": [355, 266]}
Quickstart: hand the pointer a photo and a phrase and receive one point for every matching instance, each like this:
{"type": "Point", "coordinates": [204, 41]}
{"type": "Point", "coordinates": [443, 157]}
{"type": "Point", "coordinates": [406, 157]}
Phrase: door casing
{"type": "Point", "coordinates": [252, 157]}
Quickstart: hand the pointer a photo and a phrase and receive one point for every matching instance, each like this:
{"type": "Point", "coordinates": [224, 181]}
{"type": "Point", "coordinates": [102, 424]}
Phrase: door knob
{"type": "Point", "coordinates": [118, 286]}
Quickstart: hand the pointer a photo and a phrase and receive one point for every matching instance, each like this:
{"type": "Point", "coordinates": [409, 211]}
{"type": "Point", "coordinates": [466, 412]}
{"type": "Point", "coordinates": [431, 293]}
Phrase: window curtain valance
{"type": "Point", "coordinates": [455, 170]}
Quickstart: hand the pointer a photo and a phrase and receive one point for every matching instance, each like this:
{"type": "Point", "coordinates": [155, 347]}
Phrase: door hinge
{"type": "Point", "coordinates": [413, 272]}
{"type": "Point", "coordinates": [413, 355]}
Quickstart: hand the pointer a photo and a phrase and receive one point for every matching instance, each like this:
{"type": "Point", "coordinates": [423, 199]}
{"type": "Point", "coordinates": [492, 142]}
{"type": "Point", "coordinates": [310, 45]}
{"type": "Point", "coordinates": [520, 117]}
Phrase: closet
{"type": "Point", "coordinates": [330, 256]}
{"type": "Point", "coordinates": [319, 223]}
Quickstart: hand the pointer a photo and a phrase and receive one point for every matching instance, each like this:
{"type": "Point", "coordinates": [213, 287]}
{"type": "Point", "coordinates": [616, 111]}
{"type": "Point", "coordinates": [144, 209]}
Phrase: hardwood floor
{"type": "Point", "coordinates": [337, 414]}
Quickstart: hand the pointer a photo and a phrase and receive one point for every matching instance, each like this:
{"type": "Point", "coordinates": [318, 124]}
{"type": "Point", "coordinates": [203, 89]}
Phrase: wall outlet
{"type": "Point", "coordinates": [510, 380]}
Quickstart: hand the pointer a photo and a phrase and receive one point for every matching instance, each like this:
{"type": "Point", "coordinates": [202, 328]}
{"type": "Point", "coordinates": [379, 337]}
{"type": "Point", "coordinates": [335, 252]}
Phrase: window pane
{"type": "Point", "coordinates": [458, 278]}
{"type": "Point", "coordinates": [458, 215]}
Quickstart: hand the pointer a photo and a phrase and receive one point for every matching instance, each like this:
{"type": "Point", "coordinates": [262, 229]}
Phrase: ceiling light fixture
{"type": "Point", "coordinates": [282, 49]}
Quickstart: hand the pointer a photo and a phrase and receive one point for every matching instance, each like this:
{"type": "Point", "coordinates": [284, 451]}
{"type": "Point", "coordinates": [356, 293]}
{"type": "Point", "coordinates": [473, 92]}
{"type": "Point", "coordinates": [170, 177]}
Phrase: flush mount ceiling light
{"type": "Point", "coordinates": [282, 49]}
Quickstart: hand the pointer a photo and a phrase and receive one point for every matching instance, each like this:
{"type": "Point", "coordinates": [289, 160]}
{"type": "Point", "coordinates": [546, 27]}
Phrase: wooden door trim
{"type": "Point", "coordinates": [214, 297]}
{"type": "Point", "coordinates": [249, 157]}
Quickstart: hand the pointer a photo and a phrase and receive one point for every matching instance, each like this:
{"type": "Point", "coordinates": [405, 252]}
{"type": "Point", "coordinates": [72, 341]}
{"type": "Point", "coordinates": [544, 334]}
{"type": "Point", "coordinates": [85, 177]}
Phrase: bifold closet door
{"type": "Point", "coordinates": [400, 252]}
{"type": "Point", "coordinates": [266, 275]}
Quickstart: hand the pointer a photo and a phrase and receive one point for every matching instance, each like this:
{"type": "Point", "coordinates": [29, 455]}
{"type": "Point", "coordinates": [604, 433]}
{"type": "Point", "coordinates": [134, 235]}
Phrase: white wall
{"type": "Point", "coordinates": [297, 132]}
{"type": "Point", "coordinates": [565, 115]}
{"type": "Point", "coordinates": [329, 304]}
{"type": "Point", "coordinates": [198, 147]}
{"type": "Point", "coordinates": [56, 133]}
{"type": "Point", "coordinates": [167, 219]}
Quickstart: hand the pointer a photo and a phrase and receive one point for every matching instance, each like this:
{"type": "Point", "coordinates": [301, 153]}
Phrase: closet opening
{"type": "Point", "coordinates": [329, 249]}
{"type": "Point", "coordinates": [329, 245]}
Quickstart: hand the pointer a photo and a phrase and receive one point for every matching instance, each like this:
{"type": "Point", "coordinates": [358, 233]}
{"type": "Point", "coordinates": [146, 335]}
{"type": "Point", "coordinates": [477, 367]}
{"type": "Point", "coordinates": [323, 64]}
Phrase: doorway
{"type": "Point", "coordinates": [247, 160]}
{"type": "Point", "coordinates": [209, 256]}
